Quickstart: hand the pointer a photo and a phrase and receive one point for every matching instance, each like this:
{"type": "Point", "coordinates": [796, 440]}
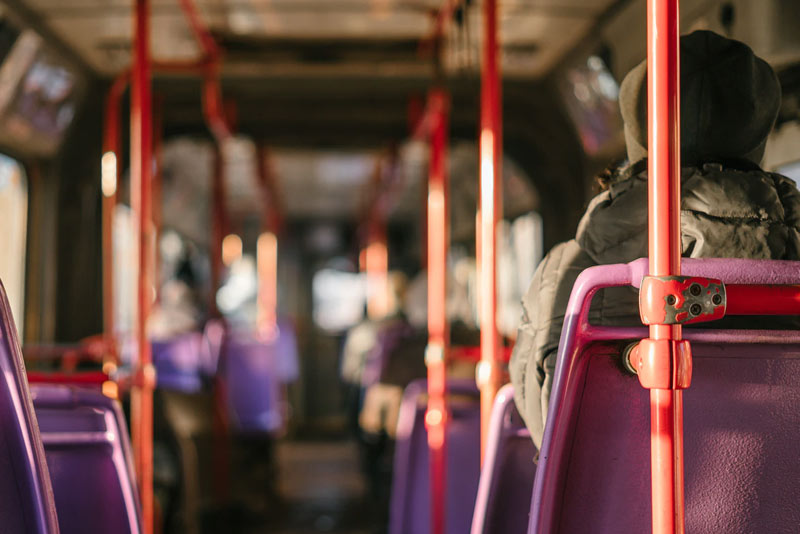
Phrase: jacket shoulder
{"type": "Point", "coordinates": [543, 309]}
{"type": "Point", "coordinates": [789, 196]}
{"type": "Point", "coordinates": [545, 303]}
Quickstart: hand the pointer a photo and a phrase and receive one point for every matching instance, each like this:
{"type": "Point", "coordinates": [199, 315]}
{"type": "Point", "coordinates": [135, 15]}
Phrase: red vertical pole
{"type": "Point", "coordinates": [267, 247]}
{"type": "Point", "coordinates": [489, 374]}
{"type": "Point", "coordinates": [141, 176]}
{"type": "Point", "coordinates": [666, 405]}
{"type": "Point", "coordinates": [438, 331]}
{"type": "Point", "coordinates": [376, 260]}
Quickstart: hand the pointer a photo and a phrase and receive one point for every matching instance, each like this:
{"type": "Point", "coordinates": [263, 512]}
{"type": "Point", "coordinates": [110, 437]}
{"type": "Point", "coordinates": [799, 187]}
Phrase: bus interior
{"type": "Point", "coordinates": [219, 216]}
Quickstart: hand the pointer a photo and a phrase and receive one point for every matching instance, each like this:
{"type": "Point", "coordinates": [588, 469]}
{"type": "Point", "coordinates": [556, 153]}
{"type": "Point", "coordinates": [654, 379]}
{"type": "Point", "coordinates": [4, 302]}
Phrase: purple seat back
{"type": "Point", "coordinates": [213, 338]}
{"type": "Point", "coordinates": [741, 420]}
{"type": "Point", "coordinates": [410, 506]}
{"type": "Point", "coordinates": [26, 496]}
{"type": "Point", "coordinates": [249, 370]}
{"type": "Point", "coordinates": [180, 362]}
{"type": "Point", "coordinates": [506, 484]}
{"type": "Point", "coordinates": [287, 352]}
{"type": "Point", "coordinates": [91, 465]}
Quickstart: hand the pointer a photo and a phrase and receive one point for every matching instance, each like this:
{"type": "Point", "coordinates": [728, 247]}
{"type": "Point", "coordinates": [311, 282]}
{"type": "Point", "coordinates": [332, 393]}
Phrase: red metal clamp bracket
{"type": "Point", "coordinates": [145, 377]}
{"type": "Point", "coordinates": [662, 363]}
{"type": "Point", "coordinates": [681, 300]}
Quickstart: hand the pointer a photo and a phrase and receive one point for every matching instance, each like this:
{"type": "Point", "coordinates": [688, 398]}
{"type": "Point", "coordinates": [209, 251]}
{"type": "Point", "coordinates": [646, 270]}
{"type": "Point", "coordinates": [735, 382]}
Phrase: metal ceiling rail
{"type": "Point", "coordinates": [441, 22]}
{"type": "Point", "coordinates": [213, 108]}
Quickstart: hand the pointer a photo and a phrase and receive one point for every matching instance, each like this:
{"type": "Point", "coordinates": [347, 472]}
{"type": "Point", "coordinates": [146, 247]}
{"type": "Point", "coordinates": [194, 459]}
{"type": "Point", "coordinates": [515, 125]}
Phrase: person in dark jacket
{"type": "Point", "coordinates": [730, 207]}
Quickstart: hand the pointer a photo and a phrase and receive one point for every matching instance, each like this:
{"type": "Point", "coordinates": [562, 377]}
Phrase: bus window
{"type": "Point", "coordinates": [781, 153]}
{"type": "Point", "coordinates": [13, 221]}
{"type": "Point", "coordinates": [124, 270]}
{"type": "Point", "coordinates": [590, 93]}
{"type": "Point", "coordinates": [791, 170]}
{"type": "Point", "coordinates": [339, 299]}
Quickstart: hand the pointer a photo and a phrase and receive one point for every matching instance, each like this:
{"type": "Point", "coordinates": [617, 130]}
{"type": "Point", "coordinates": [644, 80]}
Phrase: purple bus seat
{"type": "Point", "coordinates": [91, 465]}
{"type": "Point", "coordinates": [410, 506]}
{"type": "Point", "coordinates": [249, 369]}
{"type": "Point", "coordinates": [179, 362]}
{"type": "Point", "coordinates": [213, 338]}
{"type": "Point", "coordinates": [506, 484]}
{"type": "Point", "coordinates": [287, 352]}
{"type": "Point", "coordinates": [26, 496]}
{"type": "Point", "coordinates": [741, 420]}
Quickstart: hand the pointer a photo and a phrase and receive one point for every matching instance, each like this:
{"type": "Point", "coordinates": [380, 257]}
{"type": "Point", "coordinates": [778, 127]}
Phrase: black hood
{"type": "Point", "coordinates": [729, 101]}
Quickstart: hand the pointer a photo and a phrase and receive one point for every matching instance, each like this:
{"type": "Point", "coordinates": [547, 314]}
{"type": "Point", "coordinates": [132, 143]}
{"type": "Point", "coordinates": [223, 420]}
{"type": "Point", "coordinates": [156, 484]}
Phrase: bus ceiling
{"type": "Point", "coordinates": [373, 55]}
{"type": "Point", "coordinates": [302, 38]}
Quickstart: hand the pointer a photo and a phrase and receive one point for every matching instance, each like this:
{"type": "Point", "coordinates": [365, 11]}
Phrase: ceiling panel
{"type": "Point", "coordinates": [338, 180]}
{"type": "Point", "coordinates": [536, 33]}
{"type": "Point", "coordinates": [331, 24]}
{"type": "Point", "coordinates": [533, 42]}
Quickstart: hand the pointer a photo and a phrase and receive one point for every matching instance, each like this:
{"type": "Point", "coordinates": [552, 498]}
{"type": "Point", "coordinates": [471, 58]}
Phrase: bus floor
{"type": "Point", "coordinates": [319, 487]}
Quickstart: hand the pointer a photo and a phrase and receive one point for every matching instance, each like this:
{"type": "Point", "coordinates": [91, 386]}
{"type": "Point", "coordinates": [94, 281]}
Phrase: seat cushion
{"type": "Point", "coordinates": [742, 444]}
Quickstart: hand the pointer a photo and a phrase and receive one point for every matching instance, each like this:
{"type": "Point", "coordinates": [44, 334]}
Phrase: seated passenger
{"type": "Point", "coordinates": [730, 206]}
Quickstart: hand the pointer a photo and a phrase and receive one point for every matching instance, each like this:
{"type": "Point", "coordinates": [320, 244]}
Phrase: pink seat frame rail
{"type": "Point", "coordinates": [577, 333]}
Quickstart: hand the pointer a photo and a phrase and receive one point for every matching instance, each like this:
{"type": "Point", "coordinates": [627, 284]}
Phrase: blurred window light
{"type": "Point", "coordinates": [108, 175]}
{"type": "Point", "coordinates": [14, 222]}
{"type": "Point", "coordinates": [791, 170]}
{"type": "Point", "coordinates": [377, 266]}
{"type": "Point", "coordinates": [590, 93]}
{"type": "Point", "coordinates": [237, 296]}
{"type": "Point", "coordinates": [339, 299]}
{"type": "Point", "coordinates": [231, 249]}
{"type": "Point", "coordinates": [171, 246]}
{"type": "Point", "coordinates": [267, 267]}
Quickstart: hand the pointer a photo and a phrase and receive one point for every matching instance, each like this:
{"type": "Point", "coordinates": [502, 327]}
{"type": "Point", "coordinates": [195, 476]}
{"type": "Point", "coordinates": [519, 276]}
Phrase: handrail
{"type": "Point", "coordinates": [214, 115]}
{"type": "Point", "coordinates": [436, 354]}
{"type": "Point", "coordinates": [442, 19]}
{"type": "Point", "coordinates": [141, 171]}
{"type": "Point", "coordinates": [490, 212]}
{"type": "Point", "coordinates": [668, 349]}
{"type": "Point", "coordinates": [385, 180]}
{"type": "Point", "coordinates": [92, 378]}
{"type": "Point", "coordinates": [268, 184]}
{"type": "Point", "coordinates": [93, 349]}
{"type": "Point", "coordinates": [577, 332]}
{"type": "Point", "coordinates": [145, 375]}
{"type": "Point", "coordinates": [213, 108]}
{"type": "Point", "coordinates": [199, 29]}
{"type": "Point", "coordinates": [141, 151]}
